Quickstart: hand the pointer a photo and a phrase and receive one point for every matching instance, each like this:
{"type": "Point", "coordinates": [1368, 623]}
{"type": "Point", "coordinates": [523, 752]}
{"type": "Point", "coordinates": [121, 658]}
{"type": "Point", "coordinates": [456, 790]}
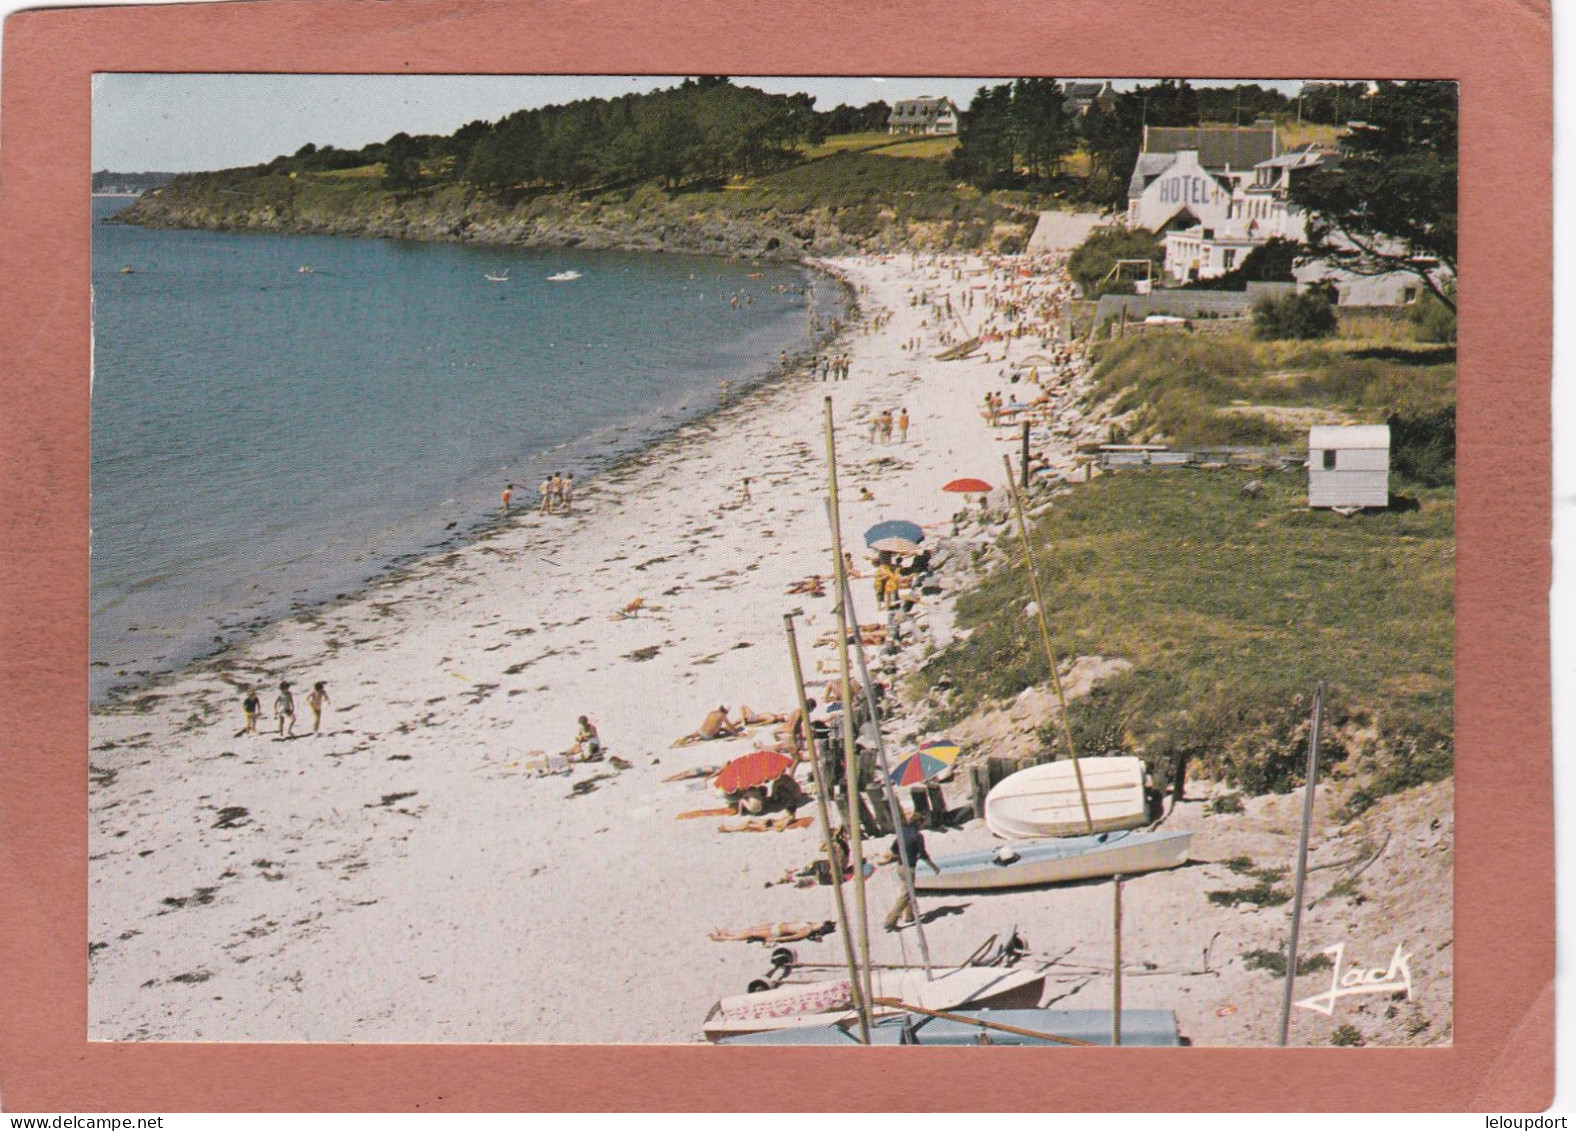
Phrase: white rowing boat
{"type": "Point", "coordinates": [1044, 801]}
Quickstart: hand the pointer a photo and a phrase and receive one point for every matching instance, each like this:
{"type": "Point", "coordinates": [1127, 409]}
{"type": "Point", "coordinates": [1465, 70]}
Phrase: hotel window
{"type": "Point", "coordinates": [1229, 259]}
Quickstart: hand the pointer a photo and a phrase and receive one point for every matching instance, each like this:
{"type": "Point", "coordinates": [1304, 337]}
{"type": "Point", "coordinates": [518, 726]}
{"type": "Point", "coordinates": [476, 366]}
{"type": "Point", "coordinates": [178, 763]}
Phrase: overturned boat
{"type": "Point", "coordinates": [1059, 860]}
{"type": "Point", "coordinates": [1047, 801]}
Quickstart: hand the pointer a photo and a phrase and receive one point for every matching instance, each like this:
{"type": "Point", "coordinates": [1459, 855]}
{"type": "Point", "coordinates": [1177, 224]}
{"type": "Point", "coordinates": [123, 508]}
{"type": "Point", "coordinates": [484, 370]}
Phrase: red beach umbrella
{"type": "Point", "coordinates": [755, 768]}
{"type": "Point", "coordinates": [967, 487]}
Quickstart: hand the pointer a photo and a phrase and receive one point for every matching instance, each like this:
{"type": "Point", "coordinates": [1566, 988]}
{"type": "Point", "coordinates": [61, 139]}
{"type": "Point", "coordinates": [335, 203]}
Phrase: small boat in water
{"type": "Point", "coordinates": [802, 1005]}
{"type": "Point", "coordinates": [494, 277]}
{"type": "Point", "coordinates": [1046, 801]}
{"type": "Point", "coordinates": [1059, 860]}
{"type": "Point", "coordinates": [1141, 1028]}
{"type": "Point", "coordinates": [563, 277]}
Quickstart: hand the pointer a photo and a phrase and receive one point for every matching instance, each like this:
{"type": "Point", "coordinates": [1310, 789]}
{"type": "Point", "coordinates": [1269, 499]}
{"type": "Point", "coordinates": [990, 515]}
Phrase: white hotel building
{"type": "Point", "coordinates": [1216, 192]}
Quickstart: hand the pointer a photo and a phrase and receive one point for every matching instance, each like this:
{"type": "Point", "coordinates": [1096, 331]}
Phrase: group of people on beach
{"type": "Point", "coordinates": [882, 423]}
{"type": "Point", "coordinates": [284, 708]}
{"type": "Point", "coordinates": [831, 368]}
{"type": "Point", "coordinates": [558, 493]}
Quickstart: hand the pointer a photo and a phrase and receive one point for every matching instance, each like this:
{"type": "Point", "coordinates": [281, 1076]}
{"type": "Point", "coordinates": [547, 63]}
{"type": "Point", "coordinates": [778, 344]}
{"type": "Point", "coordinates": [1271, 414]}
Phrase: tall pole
{"type": "Point", "coordinates": [1023, 456]}
{"type": "Point", "coordinates": [1116, 960]}
{"type": "Point", "coordinates": [1045, 638]}
{"type": "Point", "coordinates": [886, 781]}
{"type": "Point", "coordinates": [850, 757]}
{"type": "Point", "coordinates": [1302, 861]}
{"type": "Point", "coordinates": [861, 1004]}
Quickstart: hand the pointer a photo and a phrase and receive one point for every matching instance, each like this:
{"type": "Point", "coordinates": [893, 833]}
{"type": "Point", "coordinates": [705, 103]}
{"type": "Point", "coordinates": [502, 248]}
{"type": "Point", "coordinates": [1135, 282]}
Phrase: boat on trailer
{"type": "Point", "coordinates": [801, 1005]}
{"type": "Point", "coordinates": [1141, 1028]}
{"type": "Point", "coordinates": [1026, 863]}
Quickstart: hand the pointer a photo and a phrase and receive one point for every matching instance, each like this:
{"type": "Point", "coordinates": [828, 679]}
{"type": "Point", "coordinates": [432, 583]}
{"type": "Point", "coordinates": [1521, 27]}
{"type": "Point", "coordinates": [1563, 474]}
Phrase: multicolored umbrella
{"type": "Point", "coordinates": [968, 487]}
{"type": "Point", "coordinates": [910, 532]}
{"type": "Point", "coordinates": [755, 768]}
{"type": "Point", "coordinates": [895, 546]}
{"type": "Point", "coordinates": [925, 763]}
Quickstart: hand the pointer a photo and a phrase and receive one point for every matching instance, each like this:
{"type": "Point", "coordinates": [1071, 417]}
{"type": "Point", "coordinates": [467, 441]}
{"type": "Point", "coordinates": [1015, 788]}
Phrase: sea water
{"type": "Point", "coordinates": [277, 418]}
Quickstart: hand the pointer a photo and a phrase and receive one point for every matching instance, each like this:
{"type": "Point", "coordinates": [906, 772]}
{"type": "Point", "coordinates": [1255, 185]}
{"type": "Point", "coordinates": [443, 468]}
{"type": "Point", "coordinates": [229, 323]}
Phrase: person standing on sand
{"type": "Point", "coordinates": [902, 426]}
{"type": "Point", "coordinates": [746, 486]}
{"type": "Point", "coordinates": [251, 705]}
{"type": "Point", "coordinates": [508, 493]}
{"type": "Point", "coordinates": [566, 490]}
{"type": "Point", "coordinates": [782, 358]}
{"type": "Point", "coordinates": [546, 491]}
{"type": "Point", "coordinates": [317, 699]}
{"type": "Point", "coordinates": [555, 493]}
{"type": "Point", "coordinates": [284, 709]}
{"type": "Point", "coordinates": [722, 388]}
{"type": "Point", "coordinates": [908, 844]}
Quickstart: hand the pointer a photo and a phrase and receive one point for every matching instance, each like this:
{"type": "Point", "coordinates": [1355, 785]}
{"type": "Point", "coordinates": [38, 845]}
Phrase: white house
{"type": "Point", "coordinates": [923, 115]}
{"type": "Point", "coordinates": [1349, 466]}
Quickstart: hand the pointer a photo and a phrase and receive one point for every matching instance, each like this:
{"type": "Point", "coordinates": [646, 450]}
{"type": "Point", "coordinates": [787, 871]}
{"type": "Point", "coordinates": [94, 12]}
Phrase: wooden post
{"type": "Point", "coordinates": [850, 757]}
{"type": "Point", "coordinates": [1045, 638]}
{"type": "Point", "coordinates": [1123, 331]}
{"type": "Point", "coordinates": [1302, 861]}
{"type": "Point", "coordinates": [1116, 960]}
{"type": "Point", "coordinates": [1024, 458]}
{"type": "Point", "coordinates": [861, 1005]}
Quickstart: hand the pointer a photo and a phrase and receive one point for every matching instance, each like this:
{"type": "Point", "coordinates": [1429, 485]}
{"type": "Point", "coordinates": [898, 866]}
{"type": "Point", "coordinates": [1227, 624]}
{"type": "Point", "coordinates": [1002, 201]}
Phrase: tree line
{"type": "Point", "coordinates": [703, 130]}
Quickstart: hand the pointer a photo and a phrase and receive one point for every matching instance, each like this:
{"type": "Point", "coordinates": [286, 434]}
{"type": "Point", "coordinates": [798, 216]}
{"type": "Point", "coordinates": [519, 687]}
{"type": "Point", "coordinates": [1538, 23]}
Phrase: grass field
{"type": "Point", "coordinates": [1231, 610]}
{"type": "Point", "coordinates": [925, 148]}
{"type": "Point", "coordinates": [1177, 383]}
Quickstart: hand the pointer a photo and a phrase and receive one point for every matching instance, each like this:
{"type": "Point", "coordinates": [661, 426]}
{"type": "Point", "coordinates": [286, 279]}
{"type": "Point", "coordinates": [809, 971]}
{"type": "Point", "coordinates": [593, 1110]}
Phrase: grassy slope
{"type": "Point", "coordinates": [1179, 381]}
{"type": "Point", "coordinates": [1232, 608]}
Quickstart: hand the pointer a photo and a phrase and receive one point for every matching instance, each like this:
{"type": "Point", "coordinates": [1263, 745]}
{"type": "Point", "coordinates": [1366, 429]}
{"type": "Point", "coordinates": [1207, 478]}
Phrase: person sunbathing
{"type": "Point", "coordinates": [773, 933]}
{"type": "Point", "coordinates": [717, 725]}
{"type": "Point", "coordinates": [751, 719]}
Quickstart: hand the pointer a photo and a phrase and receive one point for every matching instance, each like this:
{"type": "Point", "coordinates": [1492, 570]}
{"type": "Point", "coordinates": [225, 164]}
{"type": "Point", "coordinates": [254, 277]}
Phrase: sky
{"type": "Point", "coordinates": [186, 123]}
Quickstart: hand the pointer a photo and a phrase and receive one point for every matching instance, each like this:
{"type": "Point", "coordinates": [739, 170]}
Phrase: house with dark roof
{"type": "Point", "coordinates": [923, 115]}
{"type": "Point", "coordinates": [1081, 97]}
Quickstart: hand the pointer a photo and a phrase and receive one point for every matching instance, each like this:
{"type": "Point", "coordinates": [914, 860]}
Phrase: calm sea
{"type": "Point", "coordinates": [277, 418]}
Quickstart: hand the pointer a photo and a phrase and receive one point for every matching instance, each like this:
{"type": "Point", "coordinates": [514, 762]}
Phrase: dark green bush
{"type": "Point", "coordinates": [1302, 316]}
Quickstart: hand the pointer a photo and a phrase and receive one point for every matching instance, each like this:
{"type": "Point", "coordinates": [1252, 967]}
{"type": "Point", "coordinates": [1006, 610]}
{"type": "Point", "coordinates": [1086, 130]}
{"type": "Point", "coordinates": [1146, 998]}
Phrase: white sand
{"type": "Point", "coordinates": [401, 878]}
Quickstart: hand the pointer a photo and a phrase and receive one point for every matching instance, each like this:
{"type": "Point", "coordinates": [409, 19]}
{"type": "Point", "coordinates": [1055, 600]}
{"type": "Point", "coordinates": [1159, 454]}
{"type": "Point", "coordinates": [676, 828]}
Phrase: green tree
{"type": "Point", "coordinates": [1091, 261]}
{"type": "Point", "coordinates": [1388, 203]}
{"type": "Point", "coordinates": [984, 156]}
{"type": "Point", "coordinates": [1042, 133]}
{"type": "Point", "coordinates": [401, 164]}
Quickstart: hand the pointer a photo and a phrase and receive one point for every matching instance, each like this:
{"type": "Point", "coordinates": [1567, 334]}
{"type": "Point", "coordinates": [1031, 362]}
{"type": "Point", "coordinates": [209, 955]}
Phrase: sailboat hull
{"type": "Point", "coordinates": [1141, 1028]}
{"type": "Point", "coordinates": [828, 1002]}
{"type": "Point", "coordinates": [1059, 860]}
{"type": "Point", "coordinates": [1046, 800]}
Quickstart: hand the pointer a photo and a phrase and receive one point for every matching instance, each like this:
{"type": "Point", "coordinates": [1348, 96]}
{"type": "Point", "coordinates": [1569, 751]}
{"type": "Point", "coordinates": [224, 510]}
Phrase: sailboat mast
{"type": "Point", "coordinates": [850, 757]}
{"type": "Point", "coordinates": [1045, 638]}
{"type": "Point", "coordinates": [861, 1003]}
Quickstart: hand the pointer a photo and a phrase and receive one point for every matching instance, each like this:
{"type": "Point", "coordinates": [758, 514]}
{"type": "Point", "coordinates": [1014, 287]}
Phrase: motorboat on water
{"type": "Point", "coordinates": [563, 277]}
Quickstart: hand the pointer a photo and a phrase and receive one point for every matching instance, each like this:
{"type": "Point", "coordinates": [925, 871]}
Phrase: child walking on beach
{"type": "Point", "coordinates": [508, 493]}
{"type": "Point", "coordinates": [317, 700]}
{"type": "Point", "coordinates": [284, 710]}
{"type": "Point", "coordinates": [251, 705]}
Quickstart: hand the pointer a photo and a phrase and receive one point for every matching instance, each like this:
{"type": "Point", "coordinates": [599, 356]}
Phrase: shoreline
{"type": "Point", "coordinates": [409, 824]}
{"type": "Point", "coordinates": [236, 633]}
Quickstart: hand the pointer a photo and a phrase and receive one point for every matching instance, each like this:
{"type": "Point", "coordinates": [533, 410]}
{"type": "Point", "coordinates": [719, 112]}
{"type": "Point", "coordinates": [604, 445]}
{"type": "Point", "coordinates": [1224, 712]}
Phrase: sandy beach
{"type": "Point", "coordinates": [405, 877]}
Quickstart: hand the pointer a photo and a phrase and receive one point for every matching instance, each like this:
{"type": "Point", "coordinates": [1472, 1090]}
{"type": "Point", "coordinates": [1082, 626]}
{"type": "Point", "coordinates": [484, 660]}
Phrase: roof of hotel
{"type": "Point", "coordinates": [1240, 147]}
